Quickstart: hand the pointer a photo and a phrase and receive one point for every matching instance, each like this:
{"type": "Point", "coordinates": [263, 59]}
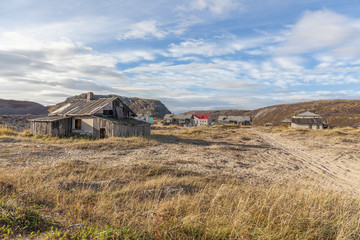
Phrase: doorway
{"type": "Point", "coordinates": [102, 133]}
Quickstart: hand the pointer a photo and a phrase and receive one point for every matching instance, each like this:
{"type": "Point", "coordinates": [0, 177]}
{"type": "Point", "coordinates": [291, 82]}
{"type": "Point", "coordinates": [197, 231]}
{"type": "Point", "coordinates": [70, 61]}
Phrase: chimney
{"type": "Point", "coordinates": [90, 96]}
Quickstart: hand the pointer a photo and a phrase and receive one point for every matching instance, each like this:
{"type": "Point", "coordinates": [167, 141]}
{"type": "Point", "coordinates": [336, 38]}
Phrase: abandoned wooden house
{"type": "Point", "coordinates": [307, 120]}
{"type": "Point", "coordinates": [186, 120]}
{"type": "Point", "coordinates": [105, 117]}
{"type": "Point", "coordinates": [239, 120]}
{"type": "Point", "coordinates": [202, 119]}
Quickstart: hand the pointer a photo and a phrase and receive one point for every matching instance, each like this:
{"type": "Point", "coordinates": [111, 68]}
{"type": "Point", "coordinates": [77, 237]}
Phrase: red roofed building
{"type": "Point", "coordinates": [202, 119]}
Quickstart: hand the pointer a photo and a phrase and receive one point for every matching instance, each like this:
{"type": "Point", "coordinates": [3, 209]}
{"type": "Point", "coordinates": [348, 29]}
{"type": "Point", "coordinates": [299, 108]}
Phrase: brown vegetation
{"type": "Point", "coordinates": [222, 182]}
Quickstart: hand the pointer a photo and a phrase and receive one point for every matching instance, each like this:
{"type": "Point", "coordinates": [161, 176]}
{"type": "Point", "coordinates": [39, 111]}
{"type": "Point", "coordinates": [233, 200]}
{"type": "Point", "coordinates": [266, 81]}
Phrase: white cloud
{"type": "Point", "coordinates": [143, 30]}
{"type": "Point", "coordinates": [320, 30]}
{"type": "Point", "coordinates": [214, 6]}
{"type": "Point", "coordinates": [128, 56]}
{"type": "Point", "coordinates": [58, 66]}
{"type": "Point", "coordinates": [218, 46]}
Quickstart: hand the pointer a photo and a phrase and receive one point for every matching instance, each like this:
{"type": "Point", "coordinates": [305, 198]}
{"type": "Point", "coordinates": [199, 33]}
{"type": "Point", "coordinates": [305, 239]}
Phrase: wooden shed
{"type": "Point", "coordinates": [51, 125]}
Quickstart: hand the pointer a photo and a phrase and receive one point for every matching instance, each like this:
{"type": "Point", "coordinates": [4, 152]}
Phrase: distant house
{"type": "Point", "coordinates": [286, 121]}
{"type": "Point", "coordinates": [307, 120]}
{"type": "Point", "coordinates": [105, 117]}
{"type": "Point", "coordinates": [145, 118]}
{"type": "Point", "coordinates": [179, 119]}
{"type": "Point", "coordinates": [202, 119]}
{"type": "Point", "coordinates": [239, 120]}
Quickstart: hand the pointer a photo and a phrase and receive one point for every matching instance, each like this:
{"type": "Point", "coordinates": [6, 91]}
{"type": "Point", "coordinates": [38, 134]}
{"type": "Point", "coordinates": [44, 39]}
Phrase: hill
{"type": "Point", "coordinates": [339, 113]}
{"type": "Point", "coordinates": [150, 107]}
{"type": "Point", "coordinates": [10, 107]}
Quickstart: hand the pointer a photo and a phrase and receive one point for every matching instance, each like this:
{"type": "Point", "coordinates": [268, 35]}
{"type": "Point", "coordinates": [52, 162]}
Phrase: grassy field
{"type": "Point", "coordinates": [162, 196]}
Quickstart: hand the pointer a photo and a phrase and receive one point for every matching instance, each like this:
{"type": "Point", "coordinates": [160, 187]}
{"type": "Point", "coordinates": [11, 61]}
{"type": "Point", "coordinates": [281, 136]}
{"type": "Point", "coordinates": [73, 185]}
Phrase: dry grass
{"type": "Point", "coordinates": [345, 131]}
{"type": "Point", "coordinates": [75, 199]}
{"type": "Point", "coordinates": [157, 202]}
{"type": "Point", "coordinates": [6, 131]}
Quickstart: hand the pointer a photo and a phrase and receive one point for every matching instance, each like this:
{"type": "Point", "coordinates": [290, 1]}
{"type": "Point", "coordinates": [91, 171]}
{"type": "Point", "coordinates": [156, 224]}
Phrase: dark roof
{"type": "Point", "coordinates": [48, 119]}
{"type": "Point", "coordinates": [84, 107]}
{"type": "Point", "coordinates": [307, 120]}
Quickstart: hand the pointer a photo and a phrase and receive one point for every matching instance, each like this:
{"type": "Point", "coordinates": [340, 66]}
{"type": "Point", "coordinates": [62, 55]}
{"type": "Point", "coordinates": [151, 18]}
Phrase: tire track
{"type": "Point", "coordinates": [314, 164]}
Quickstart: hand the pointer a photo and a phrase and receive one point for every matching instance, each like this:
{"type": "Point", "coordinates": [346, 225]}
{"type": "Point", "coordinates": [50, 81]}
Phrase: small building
{"type": "Point", "coordinates": [145, 118]}
{"type": "Point", "coordinates": [239, 120]}
{"type": "Point", "coordinates": [179, 119]}
{"type": "Point", "coordinates": [307, 120]}
{"type": "Point", "coordinates": [102, 118]}
{"type": "Point", "coordinates": [202, 119]}
{"type": "Point", "coordinates": [286, 121]}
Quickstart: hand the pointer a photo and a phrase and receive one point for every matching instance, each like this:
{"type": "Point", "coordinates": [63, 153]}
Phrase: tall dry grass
{"type": "Point", "coordinates": [152, 201]}
{"type": "Point", "coordinates": [345, 131]}
{"type": "Point", "coordinates": [81, 200]}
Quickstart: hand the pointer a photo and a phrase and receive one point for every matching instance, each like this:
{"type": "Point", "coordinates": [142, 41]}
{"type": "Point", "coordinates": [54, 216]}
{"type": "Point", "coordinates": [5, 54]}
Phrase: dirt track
{"type": "Point", "coordinates": [335, 161]}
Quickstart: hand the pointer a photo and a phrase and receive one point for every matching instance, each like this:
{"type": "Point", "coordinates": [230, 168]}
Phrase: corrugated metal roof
{"type": "Point", "coordinates": [48, 119]}
{"type": "Point", "coordinates": [84, 107]}
{"type": "Point", "coordinates": [308, 114]}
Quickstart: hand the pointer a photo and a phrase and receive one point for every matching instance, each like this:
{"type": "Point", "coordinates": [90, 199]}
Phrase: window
{"type": "Point", "coordinates": [108, 112]}
{"type": "Point", "coordinates": [77, 123]}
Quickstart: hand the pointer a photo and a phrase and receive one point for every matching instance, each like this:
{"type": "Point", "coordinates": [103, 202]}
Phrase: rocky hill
{"type": "Point", "coordinates": [150, 107]}
{"type": "Point", "coordinates": [10, 107]}
{"type": "Point", "coordinates": [339, 113]}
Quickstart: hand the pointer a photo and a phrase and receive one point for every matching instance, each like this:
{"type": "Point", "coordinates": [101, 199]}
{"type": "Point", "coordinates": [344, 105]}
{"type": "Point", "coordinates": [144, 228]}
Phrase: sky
{"type": "Point", "coordinates": [190, 54]}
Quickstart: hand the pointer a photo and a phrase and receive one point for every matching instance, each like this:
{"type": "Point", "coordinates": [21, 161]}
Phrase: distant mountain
{"type": "Point", "coordinates": [10, 107]}
{"type": "Point", "coordinates": [150, 107]}
{"type": "Point", "coordinates": [338, 113]}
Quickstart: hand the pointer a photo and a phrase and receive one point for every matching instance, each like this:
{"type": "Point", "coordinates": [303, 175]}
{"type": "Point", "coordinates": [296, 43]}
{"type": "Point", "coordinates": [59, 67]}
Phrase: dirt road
{"type": "Point", "coordinates": [333, 161]}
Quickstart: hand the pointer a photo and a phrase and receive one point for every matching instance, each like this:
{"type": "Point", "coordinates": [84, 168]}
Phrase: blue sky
{"type": "Point", "coordinates": [190, 54]}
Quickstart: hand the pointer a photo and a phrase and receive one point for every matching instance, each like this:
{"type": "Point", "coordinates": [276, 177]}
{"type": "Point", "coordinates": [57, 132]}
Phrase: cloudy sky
{"type": "Point", "coordinates": [190, 54]}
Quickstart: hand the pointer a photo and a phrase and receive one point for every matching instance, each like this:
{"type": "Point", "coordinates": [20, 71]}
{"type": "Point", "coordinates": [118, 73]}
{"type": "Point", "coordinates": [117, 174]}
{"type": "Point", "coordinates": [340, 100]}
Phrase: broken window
{"type": "Point", "coordinates": [77, 123]}
{"type": "Point", "coordinates": [108, 112]}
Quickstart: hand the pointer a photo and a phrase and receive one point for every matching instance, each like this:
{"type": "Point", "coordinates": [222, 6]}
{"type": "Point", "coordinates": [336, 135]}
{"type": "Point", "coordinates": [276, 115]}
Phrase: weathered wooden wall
{"type": "Point", "coordinates": [53, 128]}
{"type": "Point", "coordinates": [112, 129]}
{"type": "Point", "coordinates": [119, 130]}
